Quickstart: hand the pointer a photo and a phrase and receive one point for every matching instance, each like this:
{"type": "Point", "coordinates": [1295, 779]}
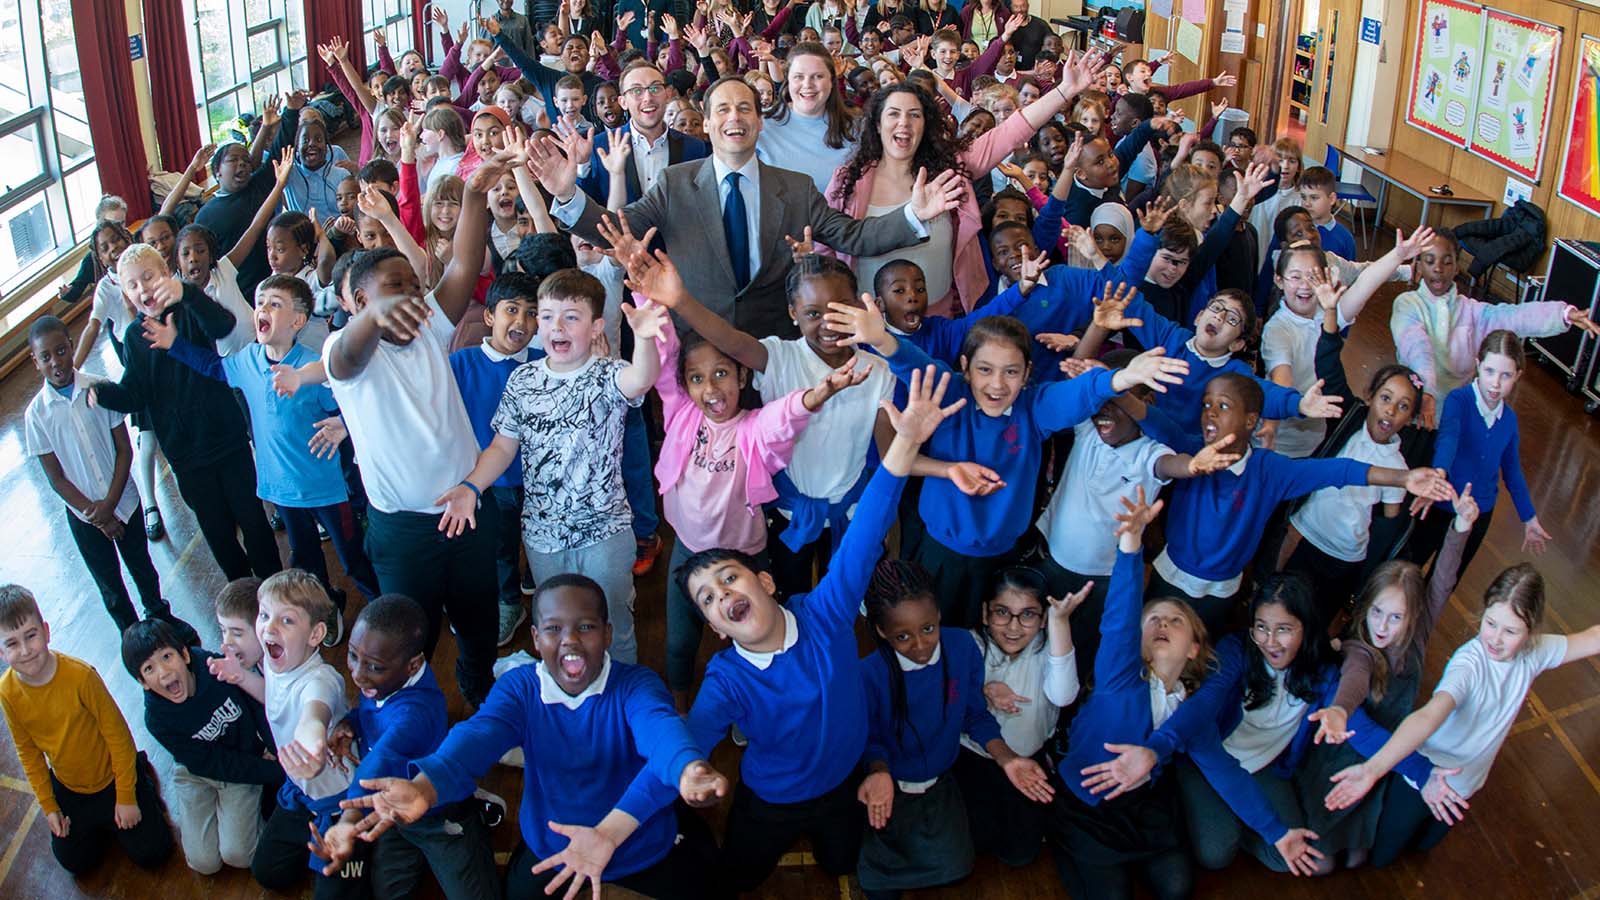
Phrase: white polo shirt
{"type": "Point", "coordinates": [80, 437]}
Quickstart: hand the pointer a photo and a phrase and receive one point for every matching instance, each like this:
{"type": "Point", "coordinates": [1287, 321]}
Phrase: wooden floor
{"type": "Point", "coordinates": [1524, 837]}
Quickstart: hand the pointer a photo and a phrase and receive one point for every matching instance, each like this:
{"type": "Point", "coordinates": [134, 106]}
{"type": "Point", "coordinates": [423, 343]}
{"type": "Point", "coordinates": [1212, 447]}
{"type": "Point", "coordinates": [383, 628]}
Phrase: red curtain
{"type": "Point", "coordinates": [420, 30]}
{"type": "Point", "coordinates": [171, 85]}
{"type": "Point", "coordinates": [101, 32]}
{"type": "Point", "coordinates": [328, 19]}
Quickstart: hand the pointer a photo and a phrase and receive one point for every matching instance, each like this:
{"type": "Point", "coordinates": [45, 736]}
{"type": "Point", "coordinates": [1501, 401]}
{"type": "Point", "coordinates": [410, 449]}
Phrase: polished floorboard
{"type": "Point", "coordinates": [1525, 835]}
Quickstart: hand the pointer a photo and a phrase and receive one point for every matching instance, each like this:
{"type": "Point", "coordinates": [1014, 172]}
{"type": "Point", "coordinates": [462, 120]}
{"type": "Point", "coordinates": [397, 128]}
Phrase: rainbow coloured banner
{"type": "Point", "coordinates": [1580, 166]}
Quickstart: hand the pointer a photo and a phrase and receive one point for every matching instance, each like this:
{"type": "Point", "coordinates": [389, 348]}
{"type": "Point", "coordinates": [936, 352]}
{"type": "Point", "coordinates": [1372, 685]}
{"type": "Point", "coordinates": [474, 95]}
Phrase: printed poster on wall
{"type": "Point", "coordinates": [1514, 88]}
{"type": "Point", "coordinates": [1445, 73]}
{"type": "Point", "coordinates": [1580, 165]}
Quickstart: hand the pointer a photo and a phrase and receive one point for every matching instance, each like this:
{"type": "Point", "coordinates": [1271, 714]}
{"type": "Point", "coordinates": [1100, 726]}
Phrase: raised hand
{"type": "Point", "coordinates": [1061, 610]}
{"type": "Point", "coordinates": [1446, 805]}
{"type": "Point", "coordinates": [1155, 214]}
{"type": "Point", "coordinates": [624, 246]}
{"type": "Point", "coordinates": [931, 199]}
{"type": "Point", "coordinates": [199, 165]}
{"type": "Point", "coordinates": [669, 24]}
{"type": "Point", "coordinates": [490, 26]}
{"type": "Point", "coordinates": [1218, 108]}
{"type": "Point", "coordinates": [379, 38]}
{"type": "Point", "coordinates": [860, 324]}
{"type": "Point", "coordinates": [1011, 26]}
{"type": "Point", "coordinates": [441, 18]}
{"type": "Point", "coordinates": [1253, 181]}
{"type": "Point", "coordinates": [271, 111]}
{"type": "Point", "coordinates": [1332, 725]}
{"type": "Point", "coordinates": [557, 173]}
{"type": "Point", "coordinates": [1577, 318]}
{"type": "Point", "coordinates": [1032, 271]}
{"type": "Point", "coordinates": [1296, 850]}
{"type": "Point", "coordinates": [1211, 457]}
{"type": "Point", "coordinates": [1153, 368]}
{"type": "Point", "coordinates": [974, 480]}
{"type": "Point", "coordinates": [923, 414]}
{"type": "Point", "coordinates": [1079, 72]}
{"type": "Point", "coordinates": [1028, 778]}
{"type": "Point", "coordinates": [1429, 483]}
{"type": "Point", "coordinates": [846, 376]}
{"type": "Point", "coordinates": [648, 322]}
{"type": "Point", "coordinates": [325, 441]}
{"type": "Point", "coordinates": [615, 156]}
{"type": "Point", "coordinates": [583, 860]}
{"type": "Point", "coordinates": [1466, 505]}
{"type": "Point", "coordinates": [1327, 288]}
{"type": "Point", "coordinates": [226, 669]}
{"type": "Point", "coordinates": [1409, 247]}
{"type": "Point", "coordinates": [1225, 79]}
{"type": "Point", "coordinates": [1057, 342]}
{"type": "Point", "coordinates": [1130, 768]}
{"type": "Point", "coordinates": [877, 794]}
{"type": "Point", "coordinates": [1074, 153]}
{"type": "Point", "coordinates": [1082, 240]}
{"type": "Point", "coordinates": [806, 246]}
{"type": "Point", "coordinates": [160, 334]}
{"type": "Point", "coordinates": [1137, 514]}
{"type": "Point", "coordinates": [625, 20]}
{"type": "Point", "coordinates": [1317, 405]}
{"type": "Point", "coordinates": [374, 205]}
{"type": "Point", "coordinates": [701, 786]}
{"type": "Point", "coordinates": [697, 38]}
{"type": "Point", "coordinates": [1014, 172]}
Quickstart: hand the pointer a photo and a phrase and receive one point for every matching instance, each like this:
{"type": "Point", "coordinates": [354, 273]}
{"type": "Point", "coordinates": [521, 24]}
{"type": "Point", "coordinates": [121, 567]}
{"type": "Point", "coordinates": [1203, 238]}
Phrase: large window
{"type": "Point", "coordinates": [248, 51]}
{"type": "Point", "coordinates": [49, 184]}
{"type": "Point", "coordinates": [394, 17]}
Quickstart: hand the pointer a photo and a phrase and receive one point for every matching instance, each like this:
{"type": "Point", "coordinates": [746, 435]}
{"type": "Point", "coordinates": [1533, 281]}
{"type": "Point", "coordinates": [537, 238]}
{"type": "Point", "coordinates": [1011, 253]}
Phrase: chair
{"type": "Point", "coordinates": [1353, 191]}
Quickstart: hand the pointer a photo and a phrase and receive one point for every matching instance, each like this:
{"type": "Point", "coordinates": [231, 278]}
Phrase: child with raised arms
{"type": "Point", "coordinates": [598, 806]}
{"type": "Point", "coordinates": [791, 682]}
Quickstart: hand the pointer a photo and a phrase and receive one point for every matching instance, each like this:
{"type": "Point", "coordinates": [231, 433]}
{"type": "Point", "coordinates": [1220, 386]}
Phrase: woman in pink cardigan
{"type": "Point", "coordinates": [906, 132]}
{"type": "Point", "coordinates": [716, 468]}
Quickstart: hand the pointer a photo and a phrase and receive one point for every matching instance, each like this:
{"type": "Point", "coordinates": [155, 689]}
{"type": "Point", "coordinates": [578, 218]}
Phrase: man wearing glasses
{"type": "Point", "coordinates": [644, 94]}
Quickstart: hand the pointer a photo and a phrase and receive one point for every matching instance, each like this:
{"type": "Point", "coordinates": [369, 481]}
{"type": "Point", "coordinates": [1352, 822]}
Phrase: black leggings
{"type": "Point", "coordinates": [1404, 823]}
{"type": "Point", "coordinates": [1169, 875]}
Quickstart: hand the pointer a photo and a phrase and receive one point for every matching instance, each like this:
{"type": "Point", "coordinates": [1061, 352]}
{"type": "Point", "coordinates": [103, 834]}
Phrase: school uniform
{"type": "Point", "coordinates": [1337, 239]}
{"type": "Point", "coordinates": [804, 710]}
{"type": "Point", "coordinates": [1290, 339]}
{"type": "Point", "coordinates": [80, 761]}
{"type": "Point", "coordinates": [1061, 303]}
{"type": "Point", "coordinates": [926, 841]}
{"type": "Point", "coordinates": [1002, 821]}
{"type": "Point", "coordinates": [481, 373]}
{"type": "Point", "coordinates": [202, 433]}
{"type": "Point", "coordinates": [410, 427]}
{"type": "Point", "coordinates": [61, 423]}
{"type": "Point", "coordinates": [217, 738]}
{"type": "Point", "coordinates": [1335, 524]}
{"type": "Point", "coordinates": [1082, 200]}
{"type": "Point", "coordinates": [229, 215]}
{"type": "Point", "coordinates": [616, 745]}
{"type": "Point", "coordinates": [304, 488]}
{"type": "Point", "coordinates": [964, 539]}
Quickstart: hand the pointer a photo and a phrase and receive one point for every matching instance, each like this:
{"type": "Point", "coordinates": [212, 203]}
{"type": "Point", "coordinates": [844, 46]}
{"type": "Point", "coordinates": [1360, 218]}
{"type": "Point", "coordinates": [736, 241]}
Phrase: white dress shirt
{"type": "Point", "coordinates": [79, 435]}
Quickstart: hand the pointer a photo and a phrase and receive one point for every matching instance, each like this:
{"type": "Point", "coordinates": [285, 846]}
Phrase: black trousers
{"type": "Point", "coordinates": [682, 875]}
{"type": "Point", "coordinates": [100, 556]}
{"type": "Point", "coordinates": [1429, 534]}
{"type": "Point", "coordinates": [759, 833]}
{"type": "Point", "coordinates": [223, 497]}
{"type": "Point", "coordinates": [796, 571]}
{"type": "Point", "coordinates": [445, 575]}
{"type": "Point", "coordinates": [1334, 582]}
{"type": "Point", "coordinates": [93, 826]}
{"type": "Point", "coordinates": [1404, 823]}
{"type": "Point", "coordinates": [305, 546]}
{"type": "Point", "coordinates": [1085, 621]}
{"type": "Point", "coordinates": [1220, 615]}
{"type": "Point", "coordinates": [283, 860]}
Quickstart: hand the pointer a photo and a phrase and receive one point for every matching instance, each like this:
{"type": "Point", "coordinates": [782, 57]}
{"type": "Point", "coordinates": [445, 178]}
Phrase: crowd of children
{"type": "Point", "coordinates": [969, 432]}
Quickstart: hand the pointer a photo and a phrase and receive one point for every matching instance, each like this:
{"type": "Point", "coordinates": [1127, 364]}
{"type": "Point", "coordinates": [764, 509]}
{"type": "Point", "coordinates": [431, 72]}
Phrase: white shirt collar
{"type": "Point", "coordinates": [639, 140]}
{"type": "Point", "coordinates": [550, 692]}
{"type": "Point", "coordinates": [1490, 416]}
{"type": "Point", "coordinates": [1215, 362]}
{"type": "Point", "coordinates": [494, 355]}
{"type": "Point", "coordinates": [410, 682]}
{"type": "Point", "coordinates": [1006, 283]}
{"type": "Point", "coordinates": [906, 665]}
{"type": "Point", "coordinates": [791, 636]}
{"type": "Point", "coordinates": [1238, 467]}
{"type": "Point", "coordinates": [1098, 192]}
{"type": "Point", "coordinates": [51, 395]}
{"type": "Point", "coordinates": [750, 170]}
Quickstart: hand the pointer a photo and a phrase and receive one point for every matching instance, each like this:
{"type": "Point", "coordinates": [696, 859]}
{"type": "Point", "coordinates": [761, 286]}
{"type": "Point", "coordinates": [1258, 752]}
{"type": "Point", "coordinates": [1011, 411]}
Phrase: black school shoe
{"type": "Point", "coordinates": [153, 528]}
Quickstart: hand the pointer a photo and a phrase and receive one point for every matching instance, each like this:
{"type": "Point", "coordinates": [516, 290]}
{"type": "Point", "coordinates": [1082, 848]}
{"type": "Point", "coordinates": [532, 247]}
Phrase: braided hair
{"type": "Point", "coordinates": [893, 582]}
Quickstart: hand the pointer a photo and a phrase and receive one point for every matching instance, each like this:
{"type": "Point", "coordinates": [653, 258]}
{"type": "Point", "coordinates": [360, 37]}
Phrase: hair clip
{"type": "Point", "coordinates": [1416, 380]}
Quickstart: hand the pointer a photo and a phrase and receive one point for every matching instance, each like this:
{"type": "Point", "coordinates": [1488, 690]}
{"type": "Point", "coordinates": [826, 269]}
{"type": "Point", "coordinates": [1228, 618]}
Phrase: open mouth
{"type": "Point", "coordinates": [738, 611]}
{"type": "Point", "coordinates": [273, 649]}
{"type": "Point", "coordinates": [369, 693]}
{"type": "Point", "coordinates": [715, 406]}
{"type": "Point", "coordinates": [735, 132]}
{"type": "Point", "coordinates": [516, 335]}
{"type": "Point", "coordinates": [1210, 330]}
{"type": "Point", "coordinates": [263, 326]}
{"type": "Point", "coordinates": [912, 321]}
{"type": "Point", "coordinates": [1209, 431]}
{"type": "Point", "coordinates": [172, 687]}
{"type": "Point", "coordinates": [901, 142]}
{"type": "Point", "coordinates": [560, 346]}
{"type": "Point", "coordinates": [1104, 425]}
{"type": "Point", "coordinates": [573, 665]}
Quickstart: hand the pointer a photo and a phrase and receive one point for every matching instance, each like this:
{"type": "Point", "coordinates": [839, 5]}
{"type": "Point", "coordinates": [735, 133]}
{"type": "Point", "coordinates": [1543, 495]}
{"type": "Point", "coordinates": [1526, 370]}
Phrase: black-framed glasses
{"type": "Point", "coordinates": [1002, 616]}
{"type": "Point", "coordinates": [1224, 312]}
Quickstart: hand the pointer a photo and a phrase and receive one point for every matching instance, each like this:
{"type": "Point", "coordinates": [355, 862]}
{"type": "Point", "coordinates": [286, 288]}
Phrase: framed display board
{"type": "Point", "coordinates": [1580, 164]}
{"type": "Point", "coordinates": [1444, 75]}
{"type": "Point", "coordinates": [1516, 80]}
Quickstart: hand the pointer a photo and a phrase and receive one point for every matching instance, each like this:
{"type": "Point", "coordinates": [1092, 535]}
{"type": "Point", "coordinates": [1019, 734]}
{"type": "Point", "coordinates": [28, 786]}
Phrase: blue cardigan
{"type": "Point", "coordinates": [1473, 453]}
{"type": "Point", "coordinates": [943, 701]}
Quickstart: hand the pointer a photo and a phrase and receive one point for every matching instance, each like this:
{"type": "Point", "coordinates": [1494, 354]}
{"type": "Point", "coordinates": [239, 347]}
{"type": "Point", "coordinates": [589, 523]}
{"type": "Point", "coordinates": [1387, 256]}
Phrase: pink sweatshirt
{"type": "Point", "coordinates": [1438, 337]}
{"type": "Point", "coordinates": [766, 436]}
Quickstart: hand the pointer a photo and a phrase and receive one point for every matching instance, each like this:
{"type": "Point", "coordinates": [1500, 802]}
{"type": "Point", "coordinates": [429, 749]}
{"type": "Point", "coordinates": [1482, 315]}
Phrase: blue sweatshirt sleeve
{"type": "Point", "coordinates": [873, 677]}
{"type": "Point", "coordinates": [411, 735]}
{"type": "Point", "coordinates": [1236, 787]}
{"type": "Point", "coordinates": [1155, 329]}
{"type": "Point", "coordinates": [1297, 477]}
{"type": "Point", "coordinates": [1278, 402]}
{"type": "Point", "coordinates": [977, 722]}
{"type": "Point", "coordinates": [1132, 144]}
{"type": "Point", "coordinates": [713, 711]}
{"type": "Point", "coordinates": [542, 76]}
{"type": "Point", "coordinates": [1081, 203]}
{"type": "Point", "coordinates": [1047, 224]}
{"type": "Point", "coordinates": [1118, 664]}
{"type": "Point", "coordinates": [837, 598]}
{"type": "Point", "coordinates": [473, 746]}
{"type": "Point", "coordinates": [201, 359]}
{"type": "Point", "coordinates": [1198, 714]}
{"type": "Point", "coordinates": [1450, 419]}
{"type": "Point", "coordinates": [663, 739]}
{"type": "Point", "coordinates": [1159, 426]}
{"type": "Point", "coordinates": [1136, 260]}
{"type": "Point", "coordinates": [944, 336]}
{"type": "Point", "coordinates": [1511, 471]}
{"type": "Point", "coordinates": [1062, 404]}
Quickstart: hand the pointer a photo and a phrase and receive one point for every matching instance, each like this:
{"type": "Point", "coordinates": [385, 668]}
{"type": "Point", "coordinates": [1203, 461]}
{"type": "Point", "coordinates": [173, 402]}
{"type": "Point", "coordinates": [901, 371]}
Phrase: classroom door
{"type": "Point", "coordinates": [1333, 74]}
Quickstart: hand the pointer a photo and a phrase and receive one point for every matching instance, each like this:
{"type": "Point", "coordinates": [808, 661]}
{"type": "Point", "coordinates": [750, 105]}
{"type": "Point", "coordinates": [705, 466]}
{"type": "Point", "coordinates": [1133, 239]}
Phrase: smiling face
{"type": "Point", "coordinates": [901, 125]}
{"type": "Point", "coordinates": [567, 328]}
{"type": "Point", "coordinates": [378, 662]}
{"type": "Point", "coordinates": [1207, 161]}
{"type": "Point", "coordinates": [1222, 413]}
{"type": "Point", "coordinates": [1200, 210]}
{"type": "Point", "coordinates": [1038, 173]}
{"type": "Point", "coordinates": [108, 245]}
{"type": "Point", "coordinates": [240, 642]}
{"type": "Point", "coordinates": [809, 304]}
{"type": "Point", "coordinates": [1386, 616]}
{"type": "Point", "coordinates": [904, 299]}
{"type": "Point", "coordinates": [569, 102]}
{"type": "Point", "coordinates": [488, 135]}
{"type": "Point", "coordinates": [443, 213]}
{"type": "Point", "coordinates": [608, 106]}
{"type": "Point", "coordinates": [1277, 634]}
{"type": "Point", "coordinates": [26, 649]}
{"type": "Point", "coordinates": [945, 54]}
{"type": "Point", "coordinates": [52, 356]}
{"type": "Point", "coordinates": [1123, 118]}
{"type": "Point", "coordinates": [996, 372]}
{"type": "Point", "coordinates": [713, 381]}
{"type": "Point", "coordinates": [1139, 77]}
{"type": "Point", "coordinates": [344, 196]}
{"type": "Point", "coordinates": [570, 636]}
{"type": "Point", "coordinates": [1168, 267]}
{"type": "Point", "coordinates": [1090, 116]}
{"type": "Point", "coordinates": [1009, 247]}
{"type": "Point", "coordinates": [1299, 293]}
{"type": "Point", "coordinates": [511, 324]}
{"type": "Point", "coordinates": [738, 604]}
{"type": "Point", "coordinates": [167, 675]}
{"type": "Point", "coordinates": [1013, 619]}
{"type": "Point", "coordinates": [140, 278]}
{"type": "Point", "coordinates": [1503, 632]}
{"type": "Point", "coordinates": [911, 628]}
{"type": "Point", "coordinates": [977, 124]}
{"type": "Point", "coordinates": [311, 146]}
{"type": "Point", "coordinates": [502, 199]}
{"type": "Point", "coordinates": [1114, 426]}
{"type": "Point", "coordinates": [644, 98]}
{"type": "Point", "coordinates": [1497, 375]}
{"type": "Point", "coordinates": [1111, 242]}
{"type": "Point", "coordinates": [575, 55]}
{"type": "Point", "coordinates": [1053, 146]}
{"type": "Point", "coordinates": [1391, 408]}
{"type": "Point", "coordinates": [810, 84]}
{"type": "Point", "coordinates": [159, 235]}
{"type": "Point", "coordinates": [1436, 266]}
{"type": "Point", "coordinates": [287, 634]}
{"type": "Point", "coordinates": [277, 318]}
{"type": "Point", "coordinates": [285, 255]}
{"type": "Point", "coordinates": [390, 278]}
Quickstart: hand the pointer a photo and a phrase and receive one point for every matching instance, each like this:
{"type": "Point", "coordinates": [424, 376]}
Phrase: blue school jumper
{"type": "Point", "coordinates": [1338, 240]}
{"type": "Point", "coordinates": [407, 725]}
{"type": "Point", "coordinates": [806, 713]}
{"type": "Point", "coordinates": [944, 700]}
{"type": "Point", "coordinates": [618, 749]}
{"type": "Point", "coordinates": [1473, 453]}
{"type": "Point", "coordinates": [1010, 444]}
{"type": "Point", "coordinates": [1081, 202]}
{"type": "Point", "coordinates": [482, 382]}
{"type": "Point", "coordinates": [1182, 402]}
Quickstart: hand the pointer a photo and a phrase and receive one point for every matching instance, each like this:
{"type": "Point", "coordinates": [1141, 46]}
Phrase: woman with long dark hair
{"type": "Point", "coordinates": [812, 130]}
{"type": "Point", "coordinates": [905, 132]}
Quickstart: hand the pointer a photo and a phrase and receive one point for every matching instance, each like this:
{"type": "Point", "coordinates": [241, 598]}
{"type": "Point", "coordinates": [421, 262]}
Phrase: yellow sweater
{"type": "Point", "coordinates": [70, 728]}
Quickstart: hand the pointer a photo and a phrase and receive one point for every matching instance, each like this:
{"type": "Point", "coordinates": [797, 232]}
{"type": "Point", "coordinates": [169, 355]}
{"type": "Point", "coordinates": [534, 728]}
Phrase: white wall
{"type": "Point", "coordinates": [1372, 118]}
